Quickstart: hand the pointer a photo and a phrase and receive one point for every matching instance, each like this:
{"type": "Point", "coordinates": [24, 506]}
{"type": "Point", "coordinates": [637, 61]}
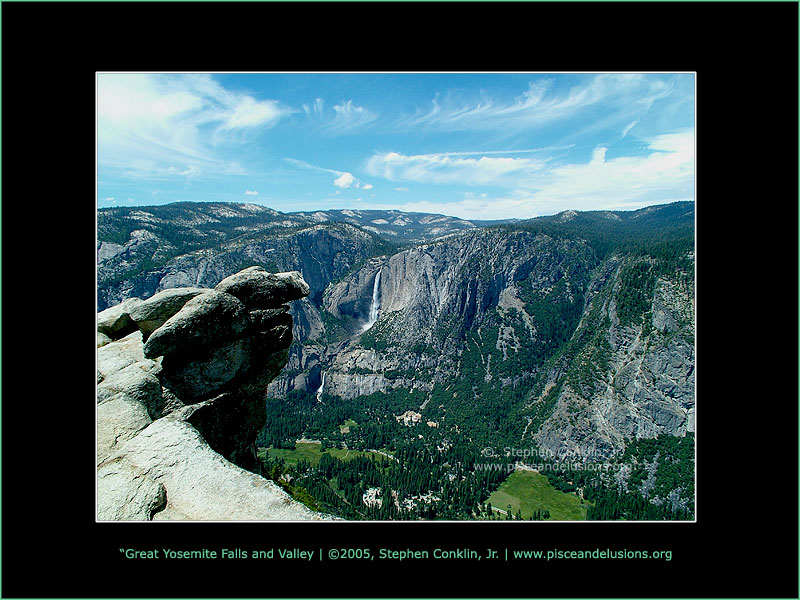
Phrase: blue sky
{"type": "Point", "coordinates": [471, 145]}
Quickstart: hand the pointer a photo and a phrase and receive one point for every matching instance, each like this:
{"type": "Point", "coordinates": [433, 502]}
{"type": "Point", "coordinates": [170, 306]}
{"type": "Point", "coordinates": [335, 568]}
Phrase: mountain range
{"type": "Point", "coordinates": [570, 337]}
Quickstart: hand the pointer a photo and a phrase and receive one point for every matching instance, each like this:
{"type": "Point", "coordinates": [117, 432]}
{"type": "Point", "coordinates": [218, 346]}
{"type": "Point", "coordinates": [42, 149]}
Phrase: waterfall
{"type": "Point", "coordinates": [375, 307]}
{"type": "Point", "coordinates": [321, 387]}
{"type": "Point", "coordinates": [376, 301]}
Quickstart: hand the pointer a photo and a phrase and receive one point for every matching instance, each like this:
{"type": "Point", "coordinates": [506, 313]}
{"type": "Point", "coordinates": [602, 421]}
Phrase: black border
{"type": "Point", "coordinates": [745, 56]}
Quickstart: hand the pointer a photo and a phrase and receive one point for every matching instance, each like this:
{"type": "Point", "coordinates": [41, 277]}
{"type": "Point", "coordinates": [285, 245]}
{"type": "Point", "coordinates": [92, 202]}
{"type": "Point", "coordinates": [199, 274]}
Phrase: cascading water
{"type": "Point", "coordinates": [321, 387]}
{"type": "Point", "coordinates": [375, 307]}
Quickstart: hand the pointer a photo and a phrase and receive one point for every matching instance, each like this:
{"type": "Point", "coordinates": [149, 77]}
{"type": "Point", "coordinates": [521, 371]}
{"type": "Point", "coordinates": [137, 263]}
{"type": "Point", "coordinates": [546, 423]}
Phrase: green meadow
{"type": "Point", "coordinates": [310, 452]}
{"type": "Point", "coordinates": [528, 491]}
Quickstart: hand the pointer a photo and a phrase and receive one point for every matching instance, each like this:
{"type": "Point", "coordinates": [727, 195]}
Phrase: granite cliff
{"type": "Point", "coordinates": [181, 380]}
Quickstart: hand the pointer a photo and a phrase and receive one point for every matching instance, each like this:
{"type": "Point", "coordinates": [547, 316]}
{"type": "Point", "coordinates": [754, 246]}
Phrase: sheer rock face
{"type": "Point", "coordinates": [430, 295]}
{"type": "Point", "coordinates": [647, 387]}
{"type": "Point", "coordinates": [178, 414]}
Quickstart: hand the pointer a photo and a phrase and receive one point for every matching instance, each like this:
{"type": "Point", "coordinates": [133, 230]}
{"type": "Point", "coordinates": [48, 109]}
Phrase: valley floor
{"type": "Point", "coordinates": [525, 493]}
{"type": "Point", "coordinates": [528, 492]}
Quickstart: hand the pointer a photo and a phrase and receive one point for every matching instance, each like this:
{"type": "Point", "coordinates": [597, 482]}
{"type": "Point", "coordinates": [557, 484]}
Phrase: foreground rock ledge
{"type": "Point", "coordinates": [181, 388]}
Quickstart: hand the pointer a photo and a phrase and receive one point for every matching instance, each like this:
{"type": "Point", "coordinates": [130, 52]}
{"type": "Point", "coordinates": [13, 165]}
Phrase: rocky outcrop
{"type": "Point", "coordinates": [181, 398]}
{"type": "Point", "coordinates": [152, 313]}
{"type": "Point", "coordinates": [116, 321]}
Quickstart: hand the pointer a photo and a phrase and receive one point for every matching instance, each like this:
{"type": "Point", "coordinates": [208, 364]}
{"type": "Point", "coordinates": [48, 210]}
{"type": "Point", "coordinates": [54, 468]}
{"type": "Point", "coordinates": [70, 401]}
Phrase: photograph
{"type": "Point", "coordinates": [396, 296]}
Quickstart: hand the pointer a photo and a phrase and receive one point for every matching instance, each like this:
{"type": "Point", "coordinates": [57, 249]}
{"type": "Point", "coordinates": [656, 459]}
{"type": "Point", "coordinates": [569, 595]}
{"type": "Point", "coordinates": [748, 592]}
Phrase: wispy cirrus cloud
{"type": "Point", "coordinates": [165, 126]}
{"type": "Point", "coordinates": [504, 152]}
{"type": "Point", "coordinates": [316, 109]}
{"type": "Point", "coordinates": [350, 116]}
{"type": "Point", "coordinates": [451, 167]}
{"type": "Point", "coordinates": [339, 118]}
{"type": "Point", "coordinates": [543, 103]}
{"type": "Point", "coordinates": [628, 127]}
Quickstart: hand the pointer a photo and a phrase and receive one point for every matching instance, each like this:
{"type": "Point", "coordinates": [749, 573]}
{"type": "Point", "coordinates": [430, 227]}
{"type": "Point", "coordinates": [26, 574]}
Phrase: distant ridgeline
{"type": "Point", "coordinates": [433, 354]}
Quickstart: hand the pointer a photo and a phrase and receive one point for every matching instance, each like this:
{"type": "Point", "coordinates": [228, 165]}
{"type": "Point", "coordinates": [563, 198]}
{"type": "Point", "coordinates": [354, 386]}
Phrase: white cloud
{"type": "Point", "coordinates": [250, 193]}
{"type": "Point", "coordinates": [599, 155]}
{"type": "Point", "coordinates": [670, 164]}
{"type": "Point", "coordinates": [160, 126]}
{"type": "Point", "coordinates": [665, 173]}
{"type": "Point", "coordinates": [681, 142]}
{"type": "Point", "coordinates": [449, 168]}
{"type": "Point", "coordinates": [344, 181]}
{"type": "Point", "coordinates": [247, 112]}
